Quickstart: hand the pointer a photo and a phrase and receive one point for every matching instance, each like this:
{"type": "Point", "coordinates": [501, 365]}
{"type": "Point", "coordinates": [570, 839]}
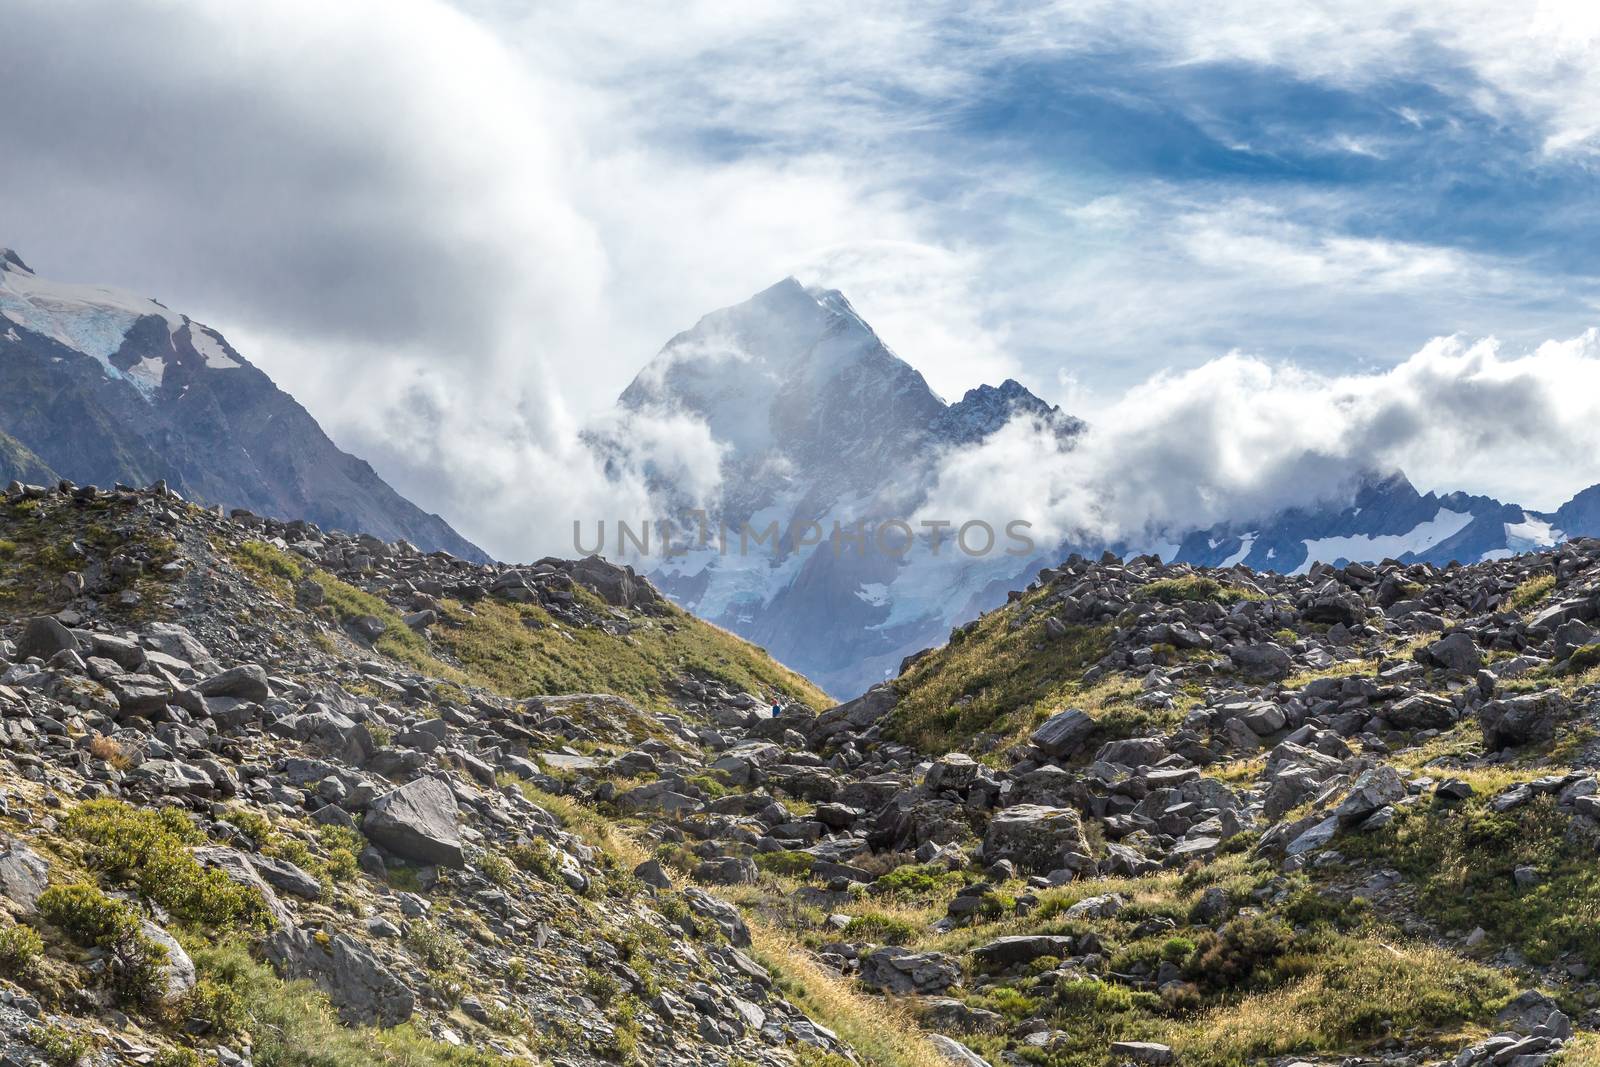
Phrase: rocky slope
{"type": "Point", "coordinates": [1209, 818]}
{"type": "Point", "coordinates": [1141, 814]}
{"type": "Point", "coordinates": [103, 386]}
{"type": "Point", "coordinates": [273, 795]}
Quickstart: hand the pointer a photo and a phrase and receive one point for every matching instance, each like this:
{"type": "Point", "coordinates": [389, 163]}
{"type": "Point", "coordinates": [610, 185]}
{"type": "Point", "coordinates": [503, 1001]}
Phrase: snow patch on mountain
{"type": "Point", "coordinates": [1246, 543]}
{"type": "Point", "coordinates": [210, 348]}
{"type": "Point", "coordinates": [1531, 534]}
{"type": "Point", "coordinates": [90, 319]}
{"type": "Point", "coordinates": [1418, 539]}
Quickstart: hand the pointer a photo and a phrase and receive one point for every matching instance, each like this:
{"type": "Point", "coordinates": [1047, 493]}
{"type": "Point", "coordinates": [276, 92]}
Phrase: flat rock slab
{"type": "Point", "coordinates": [417, 822]}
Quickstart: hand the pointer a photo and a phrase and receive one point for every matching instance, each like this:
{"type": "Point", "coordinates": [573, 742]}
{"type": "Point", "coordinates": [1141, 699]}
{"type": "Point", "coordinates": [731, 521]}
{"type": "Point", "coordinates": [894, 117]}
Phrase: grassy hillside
{"type": "Point", "coordinates": [519, 650]}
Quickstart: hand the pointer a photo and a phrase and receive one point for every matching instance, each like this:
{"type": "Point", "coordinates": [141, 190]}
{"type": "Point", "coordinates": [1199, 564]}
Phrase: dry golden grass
{"type": "Point", "coordinates": [882, 1032]}
{"type": "Point", "coordinates": [1348, 996]}
{"type": "Point", "coordinates": [110, 750]}
{"type": "Point", "coordinates": [1582, 1051]}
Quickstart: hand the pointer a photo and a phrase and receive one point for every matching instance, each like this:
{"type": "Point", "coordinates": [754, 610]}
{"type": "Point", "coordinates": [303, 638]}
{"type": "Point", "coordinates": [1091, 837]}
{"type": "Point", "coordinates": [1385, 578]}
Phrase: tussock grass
{"type": "Point", "coordinates": [277, 571]}
{"type": "Point", "coordinates": [1194, 588]}
{"type": "Point", "coordinates": [588, 824]}
{"type": "Point", "coordinates": [993, 679]}
{"type": "Point", "coordinates": [1531, 592]}
{"type": "Point", "coordinates": [1461, 858]}
{"type": "Point", "coordinates": [883, 1032]}
{"type": "Point", "coordinates": [1352, 990]}
{"type": "Point", "coordinates": [520, 650]}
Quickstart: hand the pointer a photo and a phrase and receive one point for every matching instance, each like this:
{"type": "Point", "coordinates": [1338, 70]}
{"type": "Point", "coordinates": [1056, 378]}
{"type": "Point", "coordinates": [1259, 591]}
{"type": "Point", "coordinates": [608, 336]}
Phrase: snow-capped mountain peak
{"type": "Point", "coordinates": [820, 421]}
{"type": "Point", "coordinates": [105, 386]}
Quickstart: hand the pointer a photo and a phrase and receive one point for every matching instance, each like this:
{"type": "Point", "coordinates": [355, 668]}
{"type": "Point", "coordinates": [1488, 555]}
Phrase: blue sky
{"type": "Point", "coordinates": [491, 214]}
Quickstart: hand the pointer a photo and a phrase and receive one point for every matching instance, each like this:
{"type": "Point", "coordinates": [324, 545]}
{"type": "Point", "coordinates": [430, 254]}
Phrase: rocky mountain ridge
{"type": "Point", "coordinates": [102, 386]}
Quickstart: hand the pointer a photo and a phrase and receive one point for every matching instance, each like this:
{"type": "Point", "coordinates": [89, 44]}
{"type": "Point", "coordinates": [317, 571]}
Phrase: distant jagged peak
{"type": "Point", "coordinates": [10, 261]}
{"type": "Point", "coordinates": [986, 408]}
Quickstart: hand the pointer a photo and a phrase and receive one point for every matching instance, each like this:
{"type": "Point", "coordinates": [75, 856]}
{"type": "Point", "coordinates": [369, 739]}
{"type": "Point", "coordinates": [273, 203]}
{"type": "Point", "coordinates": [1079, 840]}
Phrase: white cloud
{"type": "Point", "coordinates": [1239, 438]}
{"type": "Point", "coordinates": [455, 236]}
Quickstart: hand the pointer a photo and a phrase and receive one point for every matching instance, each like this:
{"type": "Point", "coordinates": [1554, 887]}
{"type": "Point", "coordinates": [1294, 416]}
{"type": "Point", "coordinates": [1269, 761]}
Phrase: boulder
{"type": "Point", "coordinates": [1420, 711]}
{"type": "Point", "coordinates": [248, 681]}
{"type": "Point", "coordinates": [1520, 720]}
{"type": "Point", "coordinates": [417, 822]}
{"type": "Point", "coordinates": [24, 875]}
{"type": "Point", "coordinates": [1063, 734]}
{"type": "Point", "coordinates": [1133, 751]}
{"type": "Point", "coordinates": [1457, 653]}
{"type": "Point", "coordinates": [177, 970]}
{"type": "Point", "coordinates": [44, 637]}
{"type": "Point", "coordinates": [1265, 661]}
{"type": "Point", "coordinates": [364, 991]}
{"type": "Point", "coordinates": [901, 971]}
{"type": "Point", "coordinates": [618, 586]}
{"type": "Point", "coordinates": [954, 1053]}
{"type": "Point", "coordinates": [1148, 1052]}
{"type": "Point", "coordinates": [1375, 789]}
{"type": "Point", "coordinates": [1036, 838]}
{"type": "Point", "coordinates": [176, 641]}
{"type": "Point", "coordinates": [1023, 948]}
{"type": "Point", "coordinates": [139, 694]}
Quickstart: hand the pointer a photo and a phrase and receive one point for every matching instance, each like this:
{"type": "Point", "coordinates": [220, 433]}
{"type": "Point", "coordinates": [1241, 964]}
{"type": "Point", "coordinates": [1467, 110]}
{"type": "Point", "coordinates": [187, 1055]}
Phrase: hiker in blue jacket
{"type": "Point", "coordinates": [777, 709]}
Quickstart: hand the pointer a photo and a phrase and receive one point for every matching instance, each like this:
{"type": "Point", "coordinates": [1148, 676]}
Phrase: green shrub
{"type": "Point", "coordinates": [537, 858]}
{"type": "Point", "coordinates": [93, 919]}
{"type": "Point", "coordinates": [148, 850]}
{"type": "Point", "coordinates": [497, 868]}
{"type": "Point", "coordinates": [600, 987]}
{"type": "Point", "coordinates": [1239, 954]}
{"type": "Point", "coordinates": [20, 949]}
{"type": "Point", "coordinates": [880, 929]}
{"type": "Point", "coordinates": [790, 864]}
{"type": "Point", "coordinates": [178, 1056]}
{"type": "Point", "coordinates": [61, 1047]}
{"type": "Point", "coordinates": [440, 949]}
{"type": "Point", "coordinates": [917, 880]}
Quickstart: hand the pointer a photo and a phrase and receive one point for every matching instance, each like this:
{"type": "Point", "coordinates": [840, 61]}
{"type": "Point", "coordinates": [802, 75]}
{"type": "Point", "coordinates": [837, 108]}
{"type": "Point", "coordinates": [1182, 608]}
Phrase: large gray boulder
{"type": "Point", "coordinates": [618, 586]}
{"type": "Point", "coordinates": [1521, 720]}
{"type": "Point", "coordinates": [139, 694]}
{"type": "Point", "coordinates": [417, 822]}
{"type": "Point", "coordinates": [44, 637]}
{"type": "Point", "coordinates": [248, 681]}
{"type": "Point", "coordinates": [177, 970]}
{"type": "Point", "coordinates": [901, 971]}
{"type": "Point", "coordinates": [955, 1053]}
{"type": "Point", "coordinates": [1457, 653]}
{"type": "Point", "coordinates": [1266, 661]}
{"type": "Point", "coordinates": [364, 991]}
{"type": "Point", "coordinates": [1005, 952]}
{"type": "Point", "coordinates": [1036, 838]}
{"type": "Point", "coordinates": [176, 641]}
{"type": "Point", "coordinates": [1063, 734]}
